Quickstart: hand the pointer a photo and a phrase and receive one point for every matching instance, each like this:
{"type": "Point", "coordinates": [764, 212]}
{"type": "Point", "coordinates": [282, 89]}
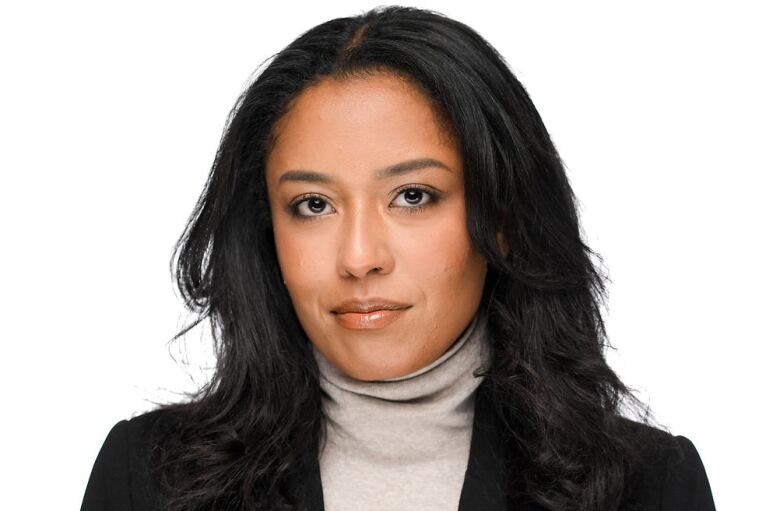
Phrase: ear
{"type": "Point", "coordinates": [503, 245]}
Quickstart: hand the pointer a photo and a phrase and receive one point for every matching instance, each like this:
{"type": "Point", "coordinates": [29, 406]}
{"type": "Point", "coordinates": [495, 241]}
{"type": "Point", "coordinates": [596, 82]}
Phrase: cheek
{"type": "Point", "coordinates": [302, 260]}
{"type": "Point", "coordinates": [444, 259]}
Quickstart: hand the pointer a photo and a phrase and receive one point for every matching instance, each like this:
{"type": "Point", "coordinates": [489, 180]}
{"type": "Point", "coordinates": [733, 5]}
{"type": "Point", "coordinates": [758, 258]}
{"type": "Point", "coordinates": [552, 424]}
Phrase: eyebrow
{"type": "Point", "coordinates": [396, 169]}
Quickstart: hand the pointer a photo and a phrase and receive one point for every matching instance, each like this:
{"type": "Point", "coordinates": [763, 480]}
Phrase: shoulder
{"type": "Point", "coordinates": [121, 478]}
{"type": "Point", "coordinates": [669, 475]}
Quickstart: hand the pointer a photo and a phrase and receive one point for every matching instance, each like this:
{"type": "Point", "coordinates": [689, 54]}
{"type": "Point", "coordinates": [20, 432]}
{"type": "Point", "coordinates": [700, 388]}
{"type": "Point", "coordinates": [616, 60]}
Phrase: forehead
{"type": "Point", "coordinates": [358, 124]}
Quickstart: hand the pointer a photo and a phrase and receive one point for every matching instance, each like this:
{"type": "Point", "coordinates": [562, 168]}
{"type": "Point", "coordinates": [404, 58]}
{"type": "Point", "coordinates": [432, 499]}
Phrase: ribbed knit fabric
{"type": "Point", "coordinates": [402, 443]}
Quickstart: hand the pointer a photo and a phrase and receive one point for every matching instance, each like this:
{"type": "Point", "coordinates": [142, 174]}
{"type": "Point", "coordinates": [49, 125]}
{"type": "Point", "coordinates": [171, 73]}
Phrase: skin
{"type": "Point", "coordinates": [360, 235]}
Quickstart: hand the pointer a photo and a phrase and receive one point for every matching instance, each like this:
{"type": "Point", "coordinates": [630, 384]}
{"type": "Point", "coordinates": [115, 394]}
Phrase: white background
{"type": "Point", "coordinates": [665, 115]}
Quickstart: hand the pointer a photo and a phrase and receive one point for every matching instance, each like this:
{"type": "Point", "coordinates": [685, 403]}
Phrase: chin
{"type": "Point", "coordinates": [379, 373]}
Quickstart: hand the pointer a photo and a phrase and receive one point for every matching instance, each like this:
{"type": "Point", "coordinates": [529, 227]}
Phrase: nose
{"type": "Point", "coordinates": [364, 245]}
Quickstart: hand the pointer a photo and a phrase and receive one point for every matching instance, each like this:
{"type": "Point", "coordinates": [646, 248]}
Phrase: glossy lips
{"type": "Point", "coordinates": [371, 314]}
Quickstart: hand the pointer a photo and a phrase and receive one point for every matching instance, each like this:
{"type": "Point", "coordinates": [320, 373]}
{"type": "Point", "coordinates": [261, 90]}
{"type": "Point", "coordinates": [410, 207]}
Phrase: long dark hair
{"type": "Point", "coordinates": [245, 437]}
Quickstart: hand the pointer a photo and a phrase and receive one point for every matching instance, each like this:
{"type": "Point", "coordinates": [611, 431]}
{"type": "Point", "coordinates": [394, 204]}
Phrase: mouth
{"type": "Point", "coordinates": [370, 320]}
{"type": "Point", "coordinates": [368, 313]}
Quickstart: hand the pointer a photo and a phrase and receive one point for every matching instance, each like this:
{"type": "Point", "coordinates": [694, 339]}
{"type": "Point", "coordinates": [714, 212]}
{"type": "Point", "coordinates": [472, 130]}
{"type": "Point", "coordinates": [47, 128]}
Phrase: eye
{"type": "Point", "coordinates": [417, 197]}
{"type": "Point", "coordinates": [314, 204]}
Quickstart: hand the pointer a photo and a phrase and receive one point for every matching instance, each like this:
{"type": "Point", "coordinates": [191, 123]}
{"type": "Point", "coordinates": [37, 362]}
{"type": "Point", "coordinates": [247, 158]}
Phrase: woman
{"type": "Point", "coordinates": [389, 254]}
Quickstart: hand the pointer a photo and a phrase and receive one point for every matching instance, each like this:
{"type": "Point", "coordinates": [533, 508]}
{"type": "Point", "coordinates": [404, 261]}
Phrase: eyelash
{"type": "Point", "coordinates": [434, 198]}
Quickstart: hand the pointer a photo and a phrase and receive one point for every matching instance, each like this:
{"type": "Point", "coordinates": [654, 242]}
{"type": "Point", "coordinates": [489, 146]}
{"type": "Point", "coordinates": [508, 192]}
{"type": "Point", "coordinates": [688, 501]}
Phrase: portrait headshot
{"type": "Point", "coordinates": [419, 257]}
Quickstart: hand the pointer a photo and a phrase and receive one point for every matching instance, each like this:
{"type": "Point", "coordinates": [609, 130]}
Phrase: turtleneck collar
{"type": "Point", "coordinates": [406, 437]}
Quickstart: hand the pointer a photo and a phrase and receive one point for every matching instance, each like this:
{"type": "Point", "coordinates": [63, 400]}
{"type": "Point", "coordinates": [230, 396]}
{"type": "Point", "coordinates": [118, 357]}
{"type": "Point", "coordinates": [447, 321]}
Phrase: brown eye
{"type": "Point", "coordinates": [416, 198]}
{"type": "Point", "coordinates": [308, 207]}
{"type": "Point", "coordinates": [316, 204]}
{"type": "Point", "coordinates": [413, 196]}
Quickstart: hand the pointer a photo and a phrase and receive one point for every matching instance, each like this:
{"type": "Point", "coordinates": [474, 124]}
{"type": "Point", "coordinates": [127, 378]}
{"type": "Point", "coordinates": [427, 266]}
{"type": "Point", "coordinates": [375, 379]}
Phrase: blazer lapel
{"type": "Point", "coordinates": [311, 496]}
{"type": "Point", "coordinates": [485, 474]}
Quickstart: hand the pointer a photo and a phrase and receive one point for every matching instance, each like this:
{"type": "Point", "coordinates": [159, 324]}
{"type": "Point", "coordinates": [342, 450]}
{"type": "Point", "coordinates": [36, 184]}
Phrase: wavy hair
{"type": "Point", "coordinates": [243, 439]}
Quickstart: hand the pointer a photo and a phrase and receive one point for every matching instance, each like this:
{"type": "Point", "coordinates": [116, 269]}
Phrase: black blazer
{"type": "Point", "coordinates": [673, 479]}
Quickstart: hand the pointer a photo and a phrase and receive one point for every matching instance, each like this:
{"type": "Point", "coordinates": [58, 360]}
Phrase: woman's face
{"type": "Point", "coordinates": [368, 210]}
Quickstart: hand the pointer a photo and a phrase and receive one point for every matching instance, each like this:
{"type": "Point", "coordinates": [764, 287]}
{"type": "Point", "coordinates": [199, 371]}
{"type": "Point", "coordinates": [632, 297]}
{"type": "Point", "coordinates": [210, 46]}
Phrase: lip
{"type": "Point", "coordinates": [368, 314]}
{"type": "Point", "coordinates": [368, 305]}
{"type": "Point", "coordinates": [368, 320]}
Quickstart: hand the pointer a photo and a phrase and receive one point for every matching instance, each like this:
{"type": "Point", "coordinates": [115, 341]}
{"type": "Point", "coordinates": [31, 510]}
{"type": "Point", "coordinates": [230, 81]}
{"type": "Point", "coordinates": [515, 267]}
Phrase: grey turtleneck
{"type": "Point", "coordinates": [402, 443]}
